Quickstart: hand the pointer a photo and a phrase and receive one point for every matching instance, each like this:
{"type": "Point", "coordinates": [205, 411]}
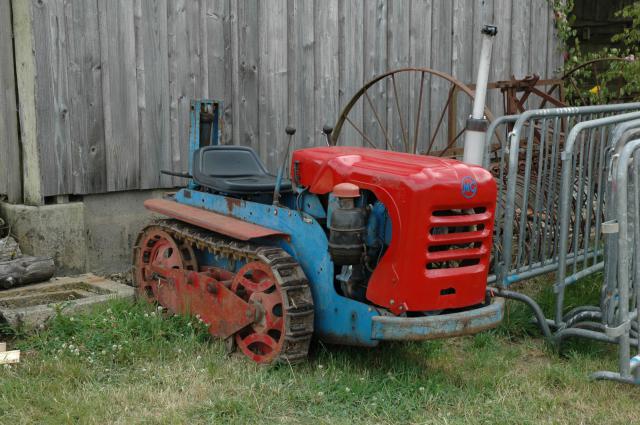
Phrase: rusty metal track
{"type": "Point", "coordinates": [297, 304]}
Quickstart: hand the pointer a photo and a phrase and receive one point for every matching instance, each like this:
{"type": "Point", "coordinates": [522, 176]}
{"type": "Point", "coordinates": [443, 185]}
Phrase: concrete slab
{"type": "Point", "coordinates": [112, 223]}
{"type": "Point", "coordinates": [31, 306]}
{"type": "Point", "coordinates": [56, 231]}
{"type": "Point", "coordinates": [95, 233]}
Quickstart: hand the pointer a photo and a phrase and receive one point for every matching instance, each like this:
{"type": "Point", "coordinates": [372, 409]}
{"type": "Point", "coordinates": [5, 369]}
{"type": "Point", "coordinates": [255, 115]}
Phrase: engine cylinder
{"type": "Point", "coordinates": [346, 232]}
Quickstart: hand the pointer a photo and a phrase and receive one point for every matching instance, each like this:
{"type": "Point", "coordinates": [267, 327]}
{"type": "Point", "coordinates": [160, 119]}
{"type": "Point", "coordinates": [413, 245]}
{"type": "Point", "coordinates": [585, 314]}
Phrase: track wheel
{"type": "Point", "coordinates": [158, 248]}
{"type": "Point", "coordinates": [284, 312]}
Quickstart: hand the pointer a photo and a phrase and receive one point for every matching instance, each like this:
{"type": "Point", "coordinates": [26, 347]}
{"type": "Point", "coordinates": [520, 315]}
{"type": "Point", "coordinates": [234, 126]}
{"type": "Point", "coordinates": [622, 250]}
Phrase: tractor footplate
{"type": "Point", "coordinates": [266, 306]}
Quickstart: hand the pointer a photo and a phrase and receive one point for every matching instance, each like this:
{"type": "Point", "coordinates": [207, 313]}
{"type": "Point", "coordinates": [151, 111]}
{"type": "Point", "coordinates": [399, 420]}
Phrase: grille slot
{"type": "Point", "coordinates": [456, 238]}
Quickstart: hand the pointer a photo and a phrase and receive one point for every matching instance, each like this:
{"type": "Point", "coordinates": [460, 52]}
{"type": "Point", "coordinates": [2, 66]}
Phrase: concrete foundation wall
{"type": "Point", "coordinates": [93, 235]}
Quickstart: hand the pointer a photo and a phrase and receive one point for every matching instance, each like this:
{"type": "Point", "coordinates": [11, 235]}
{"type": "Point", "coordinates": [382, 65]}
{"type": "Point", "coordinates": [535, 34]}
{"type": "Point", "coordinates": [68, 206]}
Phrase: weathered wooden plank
{"type": "Point", "coordinates": [554, 47]}
{"type": "Point", "coordinates": [52, 100]}
{"type": "Point", "coordinates": [247, 104]}
{"type": "Point", "coordinates": [520, 39]}
{"type": "Point", "coordinates": [230, 35]}
{"type": "Point", "coordinates": [26, 82]}
{"type": "Point", "coordinates": [119, 93]}
{"type": "Point", "coordinates": [202, 52]}
{"type": "Point", "coordinates": [85, 97]}
{"type": "Point", "coordinates": [442, 45]}
{"type": "Point", "coordinates": [538, 44]}
{"type": "Point", "coordinates": [272, 82]}
{"type": "Point", "coordinates": [461, 66]}
{"type": "Point", "coordinates": [301, 71]}
{"type": "Point", "coordinates": [375, 63]}
{"type": "Point", "coordinates": [501, 54]}
{"type": "Point", "coordinates": [222, 70]}
{"type": "Point", "coordinates": [420, 56]}
{"type": "Point", "coordinates": [216, 19]}
{"type": "Point", "coordinates": [398, 16]}
{"type": "Point", "coordinates": [10, 173]}
{"type": "Point", "coordinates": [326, 65]}
{"type": "Point", "coordinates": [350, 66]}
{"type": "Point", "coordinates": [152, 71]}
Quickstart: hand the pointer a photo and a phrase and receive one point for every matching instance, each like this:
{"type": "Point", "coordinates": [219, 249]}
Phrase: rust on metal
{"type": "Point", "coordinates": [438, 326]}
{"type": "Point", "coordinates": [209, 220]}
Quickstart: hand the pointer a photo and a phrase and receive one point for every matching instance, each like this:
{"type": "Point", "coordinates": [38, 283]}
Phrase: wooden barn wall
{"type": "Point", "coordinates": [113, 79]}
{"type": "Point", "coordinates": [10, 171]}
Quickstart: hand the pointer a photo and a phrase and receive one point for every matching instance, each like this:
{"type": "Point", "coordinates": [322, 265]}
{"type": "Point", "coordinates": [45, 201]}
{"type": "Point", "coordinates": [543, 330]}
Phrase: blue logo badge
{"type": "Point", "coordinates": [469, 187]}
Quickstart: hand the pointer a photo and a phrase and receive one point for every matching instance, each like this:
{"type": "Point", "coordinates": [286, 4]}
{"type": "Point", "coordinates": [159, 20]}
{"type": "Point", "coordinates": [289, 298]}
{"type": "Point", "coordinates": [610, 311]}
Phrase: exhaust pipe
{"type": "Point", "coordinates": [477, 123]}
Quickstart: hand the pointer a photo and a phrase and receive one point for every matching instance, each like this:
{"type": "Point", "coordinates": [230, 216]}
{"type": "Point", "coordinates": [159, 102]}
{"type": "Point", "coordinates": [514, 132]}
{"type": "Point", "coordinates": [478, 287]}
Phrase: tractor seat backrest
{"type": "Point", "coordinates": [229, 161]}
{"type": "Point", "coordinates": [233, 170]}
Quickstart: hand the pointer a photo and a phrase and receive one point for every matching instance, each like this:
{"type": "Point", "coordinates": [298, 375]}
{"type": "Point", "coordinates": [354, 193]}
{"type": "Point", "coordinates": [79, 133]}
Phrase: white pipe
{"type": "Point", "coordinates": [474, 138]}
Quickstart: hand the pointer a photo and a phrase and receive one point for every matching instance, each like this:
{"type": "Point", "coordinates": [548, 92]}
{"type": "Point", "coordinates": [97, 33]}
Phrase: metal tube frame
{"type": "Point", "coordinates": [622, 329]}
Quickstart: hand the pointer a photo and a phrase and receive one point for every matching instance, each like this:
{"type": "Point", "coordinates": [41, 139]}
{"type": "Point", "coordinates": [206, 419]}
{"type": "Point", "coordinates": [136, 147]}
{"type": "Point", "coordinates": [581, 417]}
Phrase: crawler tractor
{"type": "Point", "coordinates": [358, 246]}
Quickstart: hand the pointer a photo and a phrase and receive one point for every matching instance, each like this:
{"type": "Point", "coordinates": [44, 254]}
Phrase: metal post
{"type": "Point", "coordinates": [477, 123]}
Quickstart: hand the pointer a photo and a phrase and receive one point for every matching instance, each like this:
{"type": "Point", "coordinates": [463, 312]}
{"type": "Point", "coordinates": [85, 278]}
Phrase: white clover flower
{"type": "Point", "coordinates": [71, 347]}
{"type": "Point", "coordinates": [104, 352]}
{"type": "Point", "coordinates": [320, 366]}
{"type": "Point", "coordinates": [198, 358]}
{"type": "Point", "coordinates": [71, 319]}
{"type": "Point", "coordinates": [108, 311]}
{"type": "Point", "coordinates": [104, 320]}
{"type": "Point", "coordinates": [320, 393]}
{"type": "Point", "coordinates": [146, 315]}
{"type": "Point", "coordinates": [159, 308]}
{"type": "Point", "coordinates": [347, 389]}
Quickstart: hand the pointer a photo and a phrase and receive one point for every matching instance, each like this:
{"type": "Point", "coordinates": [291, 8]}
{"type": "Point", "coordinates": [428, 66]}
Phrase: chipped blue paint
{"type": "Point", "coordinates": [337, 319]}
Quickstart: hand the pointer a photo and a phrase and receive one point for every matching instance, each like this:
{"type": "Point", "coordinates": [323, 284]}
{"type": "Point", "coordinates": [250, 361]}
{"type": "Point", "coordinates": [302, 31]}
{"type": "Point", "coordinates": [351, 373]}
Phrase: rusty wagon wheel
{"type": "Point", "coordinates": [398, 111]}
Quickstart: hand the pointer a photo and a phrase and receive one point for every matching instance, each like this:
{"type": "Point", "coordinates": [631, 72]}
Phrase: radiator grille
{"type": "Point", "coordinates": [457, 238]}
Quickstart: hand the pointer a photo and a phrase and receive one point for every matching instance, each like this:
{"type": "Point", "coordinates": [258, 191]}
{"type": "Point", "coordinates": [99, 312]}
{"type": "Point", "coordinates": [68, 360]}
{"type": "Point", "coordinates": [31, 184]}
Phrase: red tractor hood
{"type": "Point", "coordinates": [442, 214]}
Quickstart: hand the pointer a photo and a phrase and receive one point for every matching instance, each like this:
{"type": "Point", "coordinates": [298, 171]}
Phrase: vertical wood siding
{"type": "Point", "coordinates": [10, 171]}
{"type": "Point", "coordinates": [114, 78]}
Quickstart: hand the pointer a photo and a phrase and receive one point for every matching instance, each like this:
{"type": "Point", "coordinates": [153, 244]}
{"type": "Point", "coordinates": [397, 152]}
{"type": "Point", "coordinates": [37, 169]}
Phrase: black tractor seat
{"type": "Point", "coordinates": [233, 170]}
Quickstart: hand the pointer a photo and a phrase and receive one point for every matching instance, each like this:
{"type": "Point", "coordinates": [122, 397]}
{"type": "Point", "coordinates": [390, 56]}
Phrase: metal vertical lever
{"type": "Point", "coordinates": [327, 130]}
{"type": "Point", "coordinates": [276, 193]}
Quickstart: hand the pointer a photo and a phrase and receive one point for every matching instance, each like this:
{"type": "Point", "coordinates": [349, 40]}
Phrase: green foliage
{"type": "Point", "coordinates": [611, 74]}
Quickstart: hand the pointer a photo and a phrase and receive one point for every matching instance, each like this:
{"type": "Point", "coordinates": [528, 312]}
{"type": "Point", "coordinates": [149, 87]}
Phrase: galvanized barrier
{"type": "Point", "coordinates": [620, 314]}
{"type": "Point", "coordinates": [528, 166]}
{"type": "Point", "coordinates": [585, 158]}
{"type": "Point", "coordinates": [599, 229]}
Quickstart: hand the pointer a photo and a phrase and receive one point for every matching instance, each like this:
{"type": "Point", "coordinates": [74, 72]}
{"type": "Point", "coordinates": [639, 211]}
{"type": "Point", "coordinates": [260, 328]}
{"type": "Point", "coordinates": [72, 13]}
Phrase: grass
{"type": "Point", "coordinates": [125, 363]}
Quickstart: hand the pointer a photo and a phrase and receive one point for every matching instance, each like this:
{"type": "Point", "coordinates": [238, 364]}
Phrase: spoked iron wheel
{"type": "Point", "coordinates": [413, 110]}
{"type": "Point", "coordinates": [263, 340]}
{"type": "Point", "coordinates": [155, 247]}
